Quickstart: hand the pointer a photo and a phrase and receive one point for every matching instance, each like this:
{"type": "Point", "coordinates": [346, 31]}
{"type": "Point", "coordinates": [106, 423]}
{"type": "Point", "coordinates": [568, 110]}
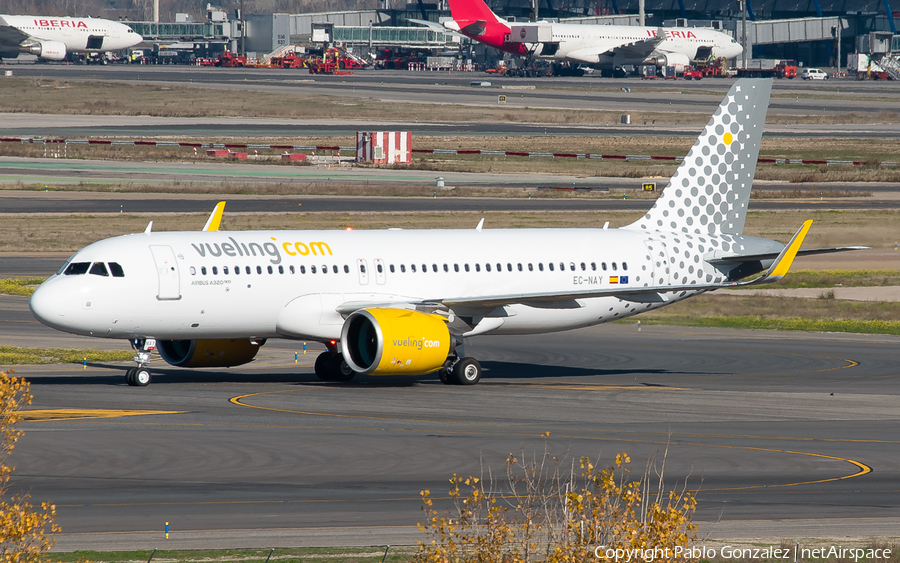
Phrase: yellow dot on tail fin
{"type": "Point", "coordinates": [728, 138]}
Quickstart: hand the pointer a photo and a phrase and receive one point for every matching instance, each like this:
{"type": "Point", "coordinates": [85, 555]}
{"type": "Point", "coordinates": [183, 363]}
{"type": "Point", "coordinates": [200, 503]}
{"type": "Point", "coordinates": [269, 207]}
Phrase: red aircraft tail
{"type": "Point", "coordinates": [470, 11]}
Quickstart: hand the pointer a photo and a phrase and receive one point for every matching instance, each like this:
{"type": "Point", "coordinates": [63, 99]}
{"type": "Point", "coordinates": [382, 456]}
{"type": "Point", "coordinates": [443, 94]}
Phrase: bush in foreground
{"type": "Point", "coordinates": [24, 529]}
{"type": "Point", "coordinates": [553, 514]}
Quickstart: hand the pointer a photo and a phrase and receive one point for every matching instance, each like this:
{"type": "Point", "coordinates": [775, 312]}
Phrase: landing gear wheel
{"type": "Point", "coordinates": [467, 371]}
{"type": "Point", "coordinates": [340, 370]}
{"type": "Point", "coordinates": [141, 377]}
{"type": "Point", "coordinates": [446, 375]}
{"type": "Point", "coordinates": [322, 368]}
{"type": "Point", "coordinates": [129, 376]}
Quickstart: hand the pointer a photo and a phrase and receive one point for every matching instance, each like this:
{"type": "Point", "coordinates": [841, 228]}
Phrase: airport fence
{"type": "Point", "coordinates": [51, 143]}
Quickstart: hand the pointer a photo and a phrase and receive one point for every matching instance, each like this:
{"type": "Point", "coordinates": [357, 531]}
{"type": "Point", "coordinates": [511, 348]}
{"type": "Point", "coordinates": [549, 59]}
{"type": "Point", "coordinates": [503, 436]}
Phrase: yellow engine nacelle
{"type": "Point", "coordinates": [207, 353]}
{"type": "Point", "coordinates": [395, 342]}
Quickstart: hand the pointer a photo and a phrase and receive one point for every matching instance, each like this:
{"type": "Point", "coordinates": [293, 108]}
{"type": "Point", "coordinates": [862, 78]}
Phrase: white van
{"type": "Point", "coordinates": [813, 74]}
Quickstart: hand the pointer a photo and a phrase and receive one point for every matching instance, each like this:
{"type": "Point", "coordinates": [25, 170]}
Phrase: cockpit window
{"type": "Point", "coordinates": [116, 270]}
{"type": "Point", "coordinates": [77, 268]}
{"type": "Point", "coordinates": [64, 266]}
{"type": "Point", "coordinates": [99, 269]}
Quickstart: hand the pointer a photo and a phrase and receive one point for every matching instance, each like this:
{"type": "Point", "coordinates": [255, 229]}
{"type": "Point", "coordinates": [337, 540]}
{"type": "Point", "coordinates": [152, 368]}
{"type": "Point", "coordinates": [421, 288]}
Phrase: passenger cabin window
{"type": "Point", "coordinates": [312, 269]}
{"type": "Point", "coordinates": [280, 270]}
{"type": "Point", "coordinates": [456, 267]}
{"type": "Point", "coordinates": [99, 269]}
{"type": "Point", "coordinates": [403, 268]}
{"type": "Point", "coordinates": [594, 266]}
{"type": "Point", "coordinates": [269, 269]}
{"type": "Point", "coordinates": [225, 270]}
{"type": "Point", "coordinates": [624, 265]}
{"type": "Point", "coordinates": [541, 266]}
{"type": "Point", "coordinates": [412, 267]}
{"type": "Point", "coordinates": [603, 266]}
{"type": "Point", "coordinates": [477, 267]}
{"type": "Point", "coordinates": [215, 271]}
{"type": "Point", "coordinates": [550, 265]}
{"type": "Point", "coordinates": [77, 268]}
{"type": "Point", "coordinates": [247, 269]}
{"type": "Point", "coordinates": [335, 268]}
{"type": "Point", "coordinates": [346, 269]}
{"type": "Point", "coordinates": [259, 269]}
{"type": "Point", "coordinates": [193, 271]}
{"type": "Point", "coordinates": [203, 270]}
{"type": "Point", "coordinates": [466, 266]}
{"type": "Point", "coordinates": [291, 268]}
{"type": "Point", "coordinates": [487, 267]}
{"type": "Point", "coordinates": [614, 266]}
{"type": "Point", "coordinates": [237, 270]}
{"type": "Point", "coordinates": [116, 270]}
{"type": "Point", "coordinates": [446, 268]}
{"type": "Point", "coordinates": [434, 267]}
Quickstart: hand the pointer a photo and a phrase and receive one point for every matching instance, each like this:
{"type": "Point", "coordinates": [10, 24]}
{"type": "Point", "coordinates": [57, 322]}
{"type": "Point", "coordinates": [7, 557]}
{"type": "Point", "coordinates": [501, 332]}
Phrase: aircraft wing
{"type": "Point", "coordinates": [632, 50]}
{"type": "Point", "coordinates": [434, 26]}
{"type": "Point", "coordinates": [10, 37]}
{"type": "Point", "coordinates": [645, 294]}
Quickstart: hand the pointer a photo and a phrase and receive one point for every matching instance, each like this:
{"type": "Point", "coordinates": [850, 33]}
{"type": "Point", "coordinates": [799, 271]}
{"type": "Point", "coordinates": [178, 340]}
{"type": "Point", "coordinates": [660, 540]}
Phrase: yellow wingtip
{"type": "Point", "coordinates": [215, 219]}
{"type": "Point", "coordinates": [785, 263]}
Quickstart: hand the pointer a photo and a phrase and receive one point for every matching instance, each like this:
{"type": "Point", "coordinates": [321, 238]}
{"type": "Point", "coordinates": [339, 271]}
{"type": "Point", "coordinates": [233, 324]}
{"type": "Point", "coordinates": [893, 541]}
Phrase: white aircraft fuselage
{"type": "Point", "coordinates": [52, 37]}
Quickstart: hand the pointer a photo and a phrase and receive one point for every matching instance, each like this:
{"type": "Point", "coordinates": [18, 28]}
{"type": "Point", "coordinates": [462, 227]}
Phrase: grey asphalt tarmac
{"type": "Point", "coordinates": [796, 427]}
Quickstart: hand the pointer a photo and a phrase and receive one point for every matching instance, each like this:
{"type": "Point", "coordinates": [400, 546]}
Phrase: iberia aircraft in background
{"type": "Point", "coordinates": [52, 38]}
{"type": "Point", "coordinates": [399, 302]}
{"type": "Point", "coordinates": [600, 46]}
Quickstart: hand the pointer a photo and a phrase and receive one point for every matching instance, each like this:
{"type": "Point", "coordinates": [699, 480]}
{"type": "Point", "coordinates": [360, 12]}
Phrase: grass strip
{"type": "Point", "coordinates": [396, 554]}
{"type": "Point", "coordinates": [840, 278]}
{"type": "Point", "coordinates": [16, 286]}
{"type": "Point", "coordinates": [14, 355]}
{"type": "Point", "coordinates": [794, 323]}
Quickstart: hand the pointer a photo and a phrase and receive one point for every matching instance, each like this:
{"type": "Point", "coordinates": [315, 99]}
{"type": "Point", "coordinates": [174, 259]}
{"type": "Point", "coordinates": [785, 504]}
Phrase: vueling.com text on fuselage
{"type": "Point", "coordinates": [271, 249]}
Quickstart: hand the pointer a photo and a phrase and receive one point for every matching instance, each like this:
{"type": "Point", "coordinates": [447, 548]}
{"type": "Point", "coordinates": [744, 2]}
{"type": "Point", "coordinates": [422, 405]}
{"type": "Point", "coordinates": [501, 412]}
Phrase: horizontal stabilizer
{"type": "Point", "coordinates": [771, 255]}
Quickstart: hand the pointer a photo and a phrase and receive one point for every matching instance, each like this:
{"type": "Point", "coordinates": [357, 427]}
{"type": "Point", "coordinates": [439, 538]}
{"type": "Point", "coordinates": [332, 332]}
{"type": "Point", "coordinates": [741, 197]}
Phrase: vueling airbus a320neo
{"type": "Point", "coordinates": [398, 302]}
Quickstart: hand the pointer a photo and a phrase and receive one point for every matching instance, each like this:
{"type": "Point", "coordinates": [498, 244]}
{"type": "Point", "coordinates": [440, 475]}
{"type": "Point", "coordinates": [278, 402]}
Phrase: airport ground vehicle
{"type": "Point", "coordinates": [783, 69]}
{"type": "Point", "coordinates": [813, 74]}
{"type": "Point", "coordinates": [230, 60]}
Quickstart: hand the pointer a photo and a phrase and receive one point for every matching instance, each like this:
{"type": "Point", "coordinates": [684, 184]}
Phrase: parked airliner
{"type": "Point", "coordinates": [52, 38]}
{"type": "Point", "coordinates": [599, 46]}
{"type": "Point", "coordinates": [398, 302]}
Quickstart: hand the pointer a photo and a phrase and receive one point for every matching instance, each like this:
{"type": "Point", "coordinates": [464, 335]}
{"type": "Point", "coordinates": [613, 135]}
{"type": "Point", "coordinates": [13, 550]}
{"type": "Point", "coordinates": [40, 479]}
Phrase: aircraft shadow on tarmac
{"type": "Point", "coordinates": [507, 371]}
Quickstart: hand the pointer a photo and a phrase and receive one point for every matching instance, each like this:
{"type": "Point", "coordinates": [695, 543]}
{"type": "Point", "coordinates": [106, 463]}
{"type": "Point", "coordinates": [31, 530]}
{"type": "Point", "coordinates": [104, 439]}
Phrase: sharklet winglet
{"type": "Point", "coordinates": [215, 218]}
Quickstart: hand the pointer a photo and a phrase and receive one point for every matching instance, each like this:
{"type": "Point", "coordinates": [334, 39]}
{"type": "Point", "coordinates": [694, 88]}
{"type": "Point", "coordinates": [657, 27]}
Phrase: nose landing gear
{"type": "Point", "coordinates": [140, 375]}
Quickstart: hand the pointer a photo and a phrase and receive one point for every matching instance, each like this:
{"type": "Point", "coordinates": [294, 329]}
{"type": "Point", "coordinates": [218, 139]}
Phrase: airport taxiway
{"type": "Point", "coordinates": [795, 427]}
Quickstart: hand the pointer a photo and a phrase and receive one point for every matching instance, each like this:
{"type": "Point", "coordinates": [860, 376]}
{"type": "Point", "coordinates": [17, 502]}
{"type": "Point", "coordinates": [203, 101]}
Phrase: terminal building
{"type": "Point", "coordinates": [820, 33]}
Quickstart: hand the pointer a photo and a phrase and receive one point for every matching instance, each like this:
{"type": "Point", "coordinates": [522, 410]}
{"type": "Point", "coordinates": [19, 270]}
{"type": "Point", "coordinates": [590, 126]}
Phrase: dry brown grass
{"type": "Point", "coordinates": [712, 305]}
{"type": "Point", "coordinates": [149, 98]}
{"type": "Point", "coordinates": [69, 232]}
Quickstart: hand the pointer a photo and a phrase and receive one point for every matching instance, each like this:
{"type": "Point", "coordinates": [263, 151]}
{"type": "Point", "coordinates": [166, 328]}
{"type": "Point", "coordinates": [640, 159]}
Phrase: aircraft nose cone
{"type": "Point", "coordinates": [48, 306]}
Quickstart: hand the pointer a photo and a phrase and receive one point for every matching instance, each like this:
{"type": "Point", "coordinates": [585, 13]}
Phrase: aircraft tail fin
{"type": "Point", "coordinates": [710, 191]}
{"type": "Point", "coordinates": [215, 218]}
{"type": "Point", "coordinates": [464, 11]}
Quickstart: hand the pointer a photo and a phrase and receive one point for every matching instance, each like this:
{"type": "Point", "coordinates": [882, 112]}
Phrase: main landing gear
{"type": "Point", "coordinates": [463, 371]}
{"type": "Point", "coordinates": [330, 366]}
{"type": "Point", "coordinates": [140, 376]}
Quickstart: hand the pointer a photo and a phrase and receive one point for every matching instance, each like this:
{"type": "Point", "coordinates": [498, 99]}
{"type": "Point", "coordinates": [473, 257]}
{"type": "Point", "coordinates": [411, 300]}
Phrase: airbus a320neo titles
{"type": "Point", "coordinates": [399, 302]}
{"type": "Point", "coordinates": [52, 38]}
